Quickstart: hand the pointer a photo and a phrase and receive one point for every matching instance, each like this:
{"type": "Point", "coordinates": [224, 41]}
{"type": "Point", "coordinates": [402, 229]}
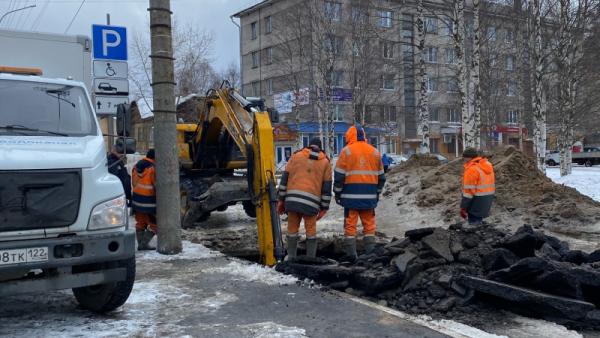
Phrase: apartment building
{"type": "Point", "coordinates": [354, 60]}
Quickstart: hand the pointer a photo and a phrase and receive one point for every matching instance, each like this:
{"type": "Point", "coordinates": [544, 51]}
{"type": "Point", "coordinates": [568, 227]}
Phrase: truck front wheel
{"type": "Point", "coordinates": [107, 297]}
{"type": "Point", "coordinates": [588, 163]}
{"type": "Point", "coordinates": [249, 208]}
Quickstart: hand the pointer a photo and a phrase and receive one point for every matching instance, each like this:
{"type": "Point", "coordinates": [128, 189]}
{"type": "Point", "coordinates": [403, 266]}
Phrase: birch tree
{"type": "Point", "coordinates": [422, 102]}
{"type": "Point", "coordinates": [539, 106]}
{"type": "Point", "coordinates": [462, 69]}
{"type": "Point", "coordinates": [472, 122]}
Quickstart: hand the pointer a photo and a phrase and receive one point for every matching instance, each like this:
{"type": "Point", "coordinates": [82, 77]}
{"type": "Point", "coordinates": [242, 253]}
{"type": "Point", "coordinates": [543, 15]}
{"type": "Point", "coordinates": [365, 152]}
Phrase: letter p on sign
{"type": "Point", "coordinates": [110, 42]}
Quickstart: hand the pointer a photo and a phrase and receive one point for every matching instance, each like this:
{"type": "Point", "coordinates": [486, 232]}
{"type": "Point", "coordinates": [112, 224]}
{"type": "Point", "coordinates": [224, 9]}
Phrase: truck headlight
{"type": "Point", "coordinates": [109, 214]}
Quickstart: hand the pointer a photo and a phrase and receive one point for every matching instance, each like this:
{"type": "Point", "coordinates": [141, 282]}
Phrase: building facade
{"type": "Point", "coordinates": [327, 64]}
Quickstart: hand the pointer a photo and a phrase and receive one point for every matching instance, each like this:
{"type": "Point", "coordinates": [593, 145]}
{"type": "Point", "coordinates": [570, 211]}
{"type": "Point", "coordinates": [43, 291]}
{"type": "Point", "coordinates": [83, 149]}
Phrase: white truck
{"type": "Point", "coordinates": [63, 217]}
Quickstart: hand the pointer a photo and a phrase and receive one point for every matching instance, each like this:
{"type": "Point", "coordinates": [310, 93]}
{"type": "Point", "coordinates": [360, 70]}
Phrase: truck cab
{"type": "Point", "coordinates": [63, 217]}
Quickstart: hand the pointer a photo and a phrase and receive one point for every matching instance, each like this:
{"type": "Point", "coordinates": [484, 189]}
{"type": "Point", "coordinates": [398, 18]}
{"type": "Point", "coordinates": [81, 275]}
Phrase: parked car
{"type": "Point", "coordinates": [553, 158]}
{"type": "Point", "coordinates": [441, 158]}
{"type": "Point", "coordinates": [397, 159]}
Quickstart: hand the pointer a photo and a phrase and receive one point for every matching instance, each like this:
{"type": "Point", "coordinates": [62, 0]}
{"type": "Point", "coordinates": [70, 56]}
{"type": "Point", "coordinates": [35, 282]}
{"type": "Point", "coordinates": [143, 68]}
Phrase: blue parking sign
{"type": "Point", "coordinates": [110, 42]}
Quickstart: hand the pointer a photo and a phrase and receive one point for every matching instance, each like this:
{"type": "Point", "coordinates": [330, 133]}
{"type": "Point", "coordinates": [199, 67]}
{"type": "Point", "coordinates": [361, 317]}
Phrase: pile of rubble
{"type": "Point", "coordinates": [434, 270]}
{"type": "Point", "coordinates": [524, 195]}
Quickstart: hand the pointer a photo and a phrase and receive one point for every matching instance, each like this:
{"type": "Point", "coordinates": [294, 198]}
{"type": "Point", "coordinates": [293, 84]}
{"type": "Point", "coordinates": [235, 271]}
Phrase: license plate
{"type": "Point", "coordinates": [28, 255]}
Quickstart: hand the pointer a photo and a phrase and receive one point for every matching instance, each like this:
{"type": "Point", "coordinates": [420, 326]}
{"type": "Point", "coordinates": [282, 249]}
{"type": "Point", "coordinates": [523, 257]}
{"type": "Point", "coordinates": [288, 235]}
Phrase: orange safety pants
{"type": "Point", "coordinates": [310, 224]}
{"type": "Point", "coordinates": [143, 221]}
{"type": "Point", "coordinates": [367, 217]}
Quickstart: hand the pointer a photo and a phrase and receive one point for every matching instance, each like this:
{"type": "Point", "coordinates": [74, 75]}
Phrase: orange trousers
{"type": "Point", "coordinates": [367, 218]}
{"type": "Point", "coordinates": [143, 221]}
{"type": "Point", "coordinates": [310, 224]}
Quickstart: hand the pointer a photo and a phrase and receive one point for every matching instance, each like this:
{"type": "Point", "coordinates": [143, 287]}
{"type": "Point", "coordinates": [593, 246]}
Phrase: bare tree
{"type": "Point", "coordinates": [421, 80]}
{"type": "Point", "coordinates": [232, 75]}
{"type": "Point", "coordinates": [539, 106]}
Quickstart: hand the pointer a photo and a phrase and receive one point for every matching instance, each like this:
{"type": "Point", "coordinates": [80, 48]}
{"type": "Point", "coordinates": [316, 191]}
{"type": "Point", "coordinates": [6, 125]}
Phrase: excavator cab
{"type": "Point", "coordinates": [226, 158]}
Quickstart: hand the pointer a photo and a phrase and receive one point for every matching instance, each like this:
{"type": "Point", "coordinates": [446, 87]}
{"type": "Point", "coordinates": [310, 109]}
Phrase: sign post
{"type": "Point", "coordinates": [111, 86]}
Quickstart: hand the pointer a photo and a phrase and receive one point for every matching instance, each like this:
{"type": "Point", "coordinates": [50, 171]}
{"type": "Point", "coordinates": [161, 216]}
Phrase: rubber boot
{"type": "Point", "coordinates": [311, 247]}
{"type": "Point", "coordinates": [144, 240]}
{"type": "Point", "coordinates": [350, 249]}
{"type": "Point", "coordinates": [292, 247]}
{"type": "Point", "coordinates": [369, 242]}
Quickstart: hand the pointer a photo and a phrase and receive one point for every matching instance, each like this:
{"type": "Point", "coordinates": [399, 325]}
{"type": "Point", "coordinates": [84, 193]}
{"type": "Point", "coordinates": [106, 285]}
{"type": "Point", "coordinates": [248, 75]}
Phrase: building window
{"type": "Point", "coordinates": [387, 50]}
{"type": "Point", "coordinates": [434, 146]}
{"type": "Point", "coordinates": [268, 25]}
{"type": "Point", "coordinates": [269, 53]}
{"type": "Point", "coordinates": [389, 114]}
{"type": "Point", "coordinates": [493, 60]}
{"type": "Point", "coordinates": [450, 55]}
{"type": "Point", "coordinates": [510, 36]}
{"type": "Point", "coordinates": [491, 33]}
{"type": "Point", "coordinates": [333, 10]}
{"type": "Point", "coordinates": [253, 30]}
{"type": "Point", "coordinates": [357, 48]}
{"type": "Point", "coordinates": [337, 78]}
{"type": "Point", "coordinates": [269, 86]}
{"type": "Point", "coordinates": [431, 25]}
{"type": "Point", "coordinates": [359, 15]}
{"type": "Point", "coordinates": [452, 85]}
{"type": "Point", "coordinates": [431, 54]}
{"type": "Point", "coordinates": [333, 44]}
{"type": "Point", "coordinates": [431, 84]}
{"type": "Point", "coordinates": [510, 62]}
{"type": "Point", "coordinates": [453, 116]}
{"type": "Point", "coordinates": [512, 117]}
{"type": "Point", "coordinates": [434, 114]}
{"type": "Point", "coordinates": [254, 59]}
{"type": "Point", "coordinates": [385, 18]}
{"type": "Point", "coordinates": [337, 112]}
{"type": "Point", "coordinates": [255, 88]}
{"type": "Point", "coordinates": [469, 28]}
{"type": "Point", "coordinates": [511, 88]}
{"type": "Point", "coordinates": [407, 26]}
{"type": "Point", "coordinates": [387, 82]}
{"type": "Point", "coordinates": [448, 27]}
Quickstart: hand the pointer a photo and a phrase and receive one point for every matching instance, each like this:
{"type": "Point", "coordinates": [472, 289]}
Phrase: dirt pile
{"type": "Point", "coordinates": [436, 270]}
{"type": "Point", "coordinates": [523, 194]}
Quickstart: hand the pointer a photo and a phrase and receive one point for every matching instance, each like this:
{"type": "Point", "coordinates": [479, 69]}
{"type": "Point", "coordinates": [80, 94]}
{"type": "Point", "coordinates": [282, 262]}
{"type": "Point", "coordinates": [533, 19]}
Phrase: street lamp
{"type": "Point", "coordinates": [16, 10]}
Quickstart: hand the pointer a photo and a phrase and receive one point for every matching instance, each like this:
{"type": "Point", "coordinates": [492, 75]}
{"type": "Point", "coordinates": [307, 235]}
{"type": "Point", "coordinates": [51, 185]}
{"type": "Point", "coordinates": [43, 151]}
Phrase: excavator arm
{"type": "Point", "coordinates": [232, 123]}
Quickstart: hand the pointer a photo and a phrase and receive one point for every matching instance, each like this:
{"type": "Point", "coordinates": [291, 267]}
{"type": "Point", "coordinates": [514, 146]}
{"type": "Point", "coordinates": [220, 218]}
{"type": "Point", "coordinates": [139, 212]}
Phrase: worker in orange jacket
{"type": "Point", "coordinates": [358, 181]}
{"type": "Point", "coordinates": [144, 200]}
{"type": "Point", "coordinates": [305, 193]}
{"type": "Point", "coordinates": [478, 187]}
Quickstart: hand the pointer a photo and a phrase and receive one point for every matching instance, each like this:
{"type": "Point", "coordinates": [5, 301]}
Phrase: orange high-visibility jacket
{"type": "Point", "coordinates": [305, 185]}
{"type": "Point", "coordinates": [144, 194]}
{"type": "Point", "coordinates": [359, 176]}
{"type": "Point", "coordinates": [479, 187]}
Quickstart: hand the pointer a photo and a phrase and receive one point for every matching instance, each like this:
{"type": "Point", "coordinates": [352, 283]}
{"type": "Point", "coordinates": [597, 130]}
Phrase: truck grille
{"type": "Point", "coordinates": [38, 199]}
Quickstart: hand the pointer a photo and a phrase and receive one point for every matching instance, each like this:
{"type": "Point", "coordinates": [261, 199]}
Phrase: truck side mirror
{"type": "Point", "coordinates": [124, 120]}
{"type": "Point", "coordinates": [126, 145]}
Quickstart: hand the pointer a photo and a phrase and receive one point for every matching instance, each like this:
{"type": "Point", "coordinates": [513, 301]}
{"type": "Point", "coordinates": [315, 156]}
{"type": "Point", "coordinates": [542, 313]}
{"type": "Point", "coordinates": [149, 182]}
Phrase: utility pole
{"type": "Point", "coordinates": [109, 119]}
{"type": "Point", "coordinates": [165, 136]}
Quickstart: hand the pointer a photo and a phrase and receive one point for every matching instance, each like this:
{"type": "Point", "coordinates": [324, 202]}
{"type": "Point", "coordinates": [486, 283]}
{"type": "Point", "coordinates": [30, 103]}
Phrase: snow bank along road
{"type": "Point", "coordinates": [585, 180]}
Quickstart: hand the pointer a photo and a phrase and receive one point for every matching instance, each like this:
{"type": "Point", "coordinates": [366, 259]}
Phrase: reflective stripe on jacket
{"type": "Point", "coordinates": [144, 194]}
{"type": "Point", "coordinates": [305, 185]}
{"type": "Point", "coordinates": [479, 187]}
{"type": "Point", "coordinates": [358, 174]}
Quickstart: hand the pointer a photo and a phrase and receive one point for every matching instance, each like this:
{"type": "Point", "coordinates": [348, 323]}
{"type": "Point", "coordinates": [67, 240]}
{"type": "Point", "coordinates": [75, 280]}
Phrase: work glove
{"type": "Point", "coordinates": [280, 207]}
{"type": "Point", "coordinates": [321, 214]}
{"type": "Point", "coordinates": [463, 213]}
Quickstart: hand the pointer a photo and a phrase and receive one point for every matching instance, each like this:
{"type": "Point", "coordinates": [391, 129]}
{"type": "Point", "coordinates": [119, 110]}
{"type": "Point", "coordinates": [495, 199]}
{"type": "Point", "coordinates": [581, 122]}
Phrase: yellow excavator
{"type": "Point", "coordinates": [228, 157]}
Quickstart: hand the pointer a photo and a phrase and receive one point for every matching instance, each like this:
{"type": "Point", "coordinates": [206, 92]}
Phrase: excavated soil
{"type": "Point", "coordinates": [524, 195]}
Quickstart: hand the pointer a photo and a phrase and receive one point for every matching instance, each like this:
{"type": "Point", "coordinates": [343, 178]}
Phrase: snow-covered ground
{"type": "Point", "coordinates": [585, 180]}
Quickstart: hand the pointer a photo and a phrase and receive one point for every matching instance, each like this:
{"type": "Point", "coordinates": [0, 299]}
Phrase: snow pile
{"type": "Point", "coordinates": [584, 180]}
{"type": "Point", "coordinates": [254, 273]}
{"type": "Point", "coordinates": [273, 330]}
{"type": "Point", "coordinates": [190, 251]}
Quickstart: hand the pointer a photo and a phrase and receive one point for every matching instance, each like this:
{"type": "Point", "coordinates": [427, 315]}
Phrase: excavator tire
{"type": "Point", "coordinates": [249, 208]}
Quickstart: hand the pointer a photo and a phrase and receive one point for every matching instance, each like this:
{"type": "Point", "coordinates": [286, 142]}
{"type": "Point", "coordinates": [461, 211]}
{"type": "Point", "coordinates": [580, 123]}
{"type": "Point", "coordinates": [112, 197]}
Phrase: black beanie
{"type": "Point", "coordinates": [150, 154]}
{"type": "Point", "coordinates": [315, 141]}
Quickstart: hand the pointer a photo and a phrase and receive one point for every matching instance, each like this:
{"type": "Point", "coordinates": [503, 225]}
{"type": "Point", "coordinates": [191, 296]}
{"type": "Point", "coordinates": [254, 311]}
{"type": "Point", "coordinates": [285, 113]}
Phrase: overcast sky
{"type": "Point", "coordinates": [55, 15]}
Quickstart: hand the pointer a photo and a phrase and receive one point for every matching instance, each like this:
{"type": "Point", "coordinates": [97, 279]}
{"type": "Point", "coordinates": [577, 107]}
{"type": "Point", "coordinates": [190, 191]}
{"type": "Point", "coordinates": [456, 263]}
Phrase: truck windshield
{"type": "Point", "coordinates": [34, 108]}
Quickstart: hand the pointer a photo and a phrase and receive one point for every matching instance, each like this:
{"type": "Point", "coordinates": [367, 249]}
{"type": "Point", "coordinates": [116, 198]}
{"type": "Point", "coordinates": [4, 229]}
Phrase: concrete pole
{"type": "Point", "coordinates": [110, 121]}
{"type": "Point", "coordinates": [165, 135]}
